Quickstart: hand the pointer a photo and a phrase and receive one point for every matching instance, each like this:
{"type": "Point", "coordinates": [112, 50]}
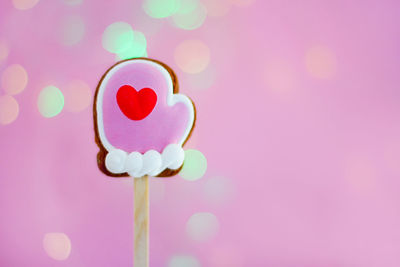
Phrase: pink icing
{"type": "Point", "coordinates": [165, 124]}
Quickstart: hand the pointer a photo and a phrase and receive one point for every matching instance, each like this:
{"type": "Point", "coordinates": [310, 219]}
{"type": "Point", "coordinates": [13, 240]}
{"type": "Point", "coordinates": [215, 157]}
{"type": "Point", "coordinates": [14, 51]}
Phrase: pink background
{"type": "Point", "coordinates": [314, 168]}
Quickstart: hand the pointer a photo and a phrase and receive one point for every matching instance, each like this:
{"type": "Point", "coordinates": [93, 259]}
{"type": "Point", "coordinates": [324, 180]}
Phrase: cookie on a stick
{"type": "Point", "coordinates": [141, 124]}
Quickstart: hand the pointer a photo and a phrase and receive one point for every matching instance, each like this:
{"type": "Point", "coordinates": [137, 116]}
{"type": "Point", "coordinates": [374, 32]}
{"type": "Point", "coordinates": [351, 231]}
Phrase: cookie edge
{"type": "Point", "coordinates": [101, 155]}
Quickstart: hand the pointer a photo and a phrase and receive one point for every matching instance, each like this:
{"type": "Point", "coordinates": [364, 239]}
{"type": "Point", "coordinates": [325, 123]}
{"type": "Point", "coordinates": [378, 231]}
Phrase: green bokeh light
{"type": "Point", "coordinates": [136, 49]}
{"type": "Point", "coordinates": [194, 166]}
{"type": "Point", "coordinates": [118, 37]}
{"type": "Point", "coordinates": [190, 20]}
{"type": "Point", "coordinates": [50, 101]}
{"type": "Point", "coordinates": [161, 8]}
{"type": "Point", "coordinates": [187, 6]}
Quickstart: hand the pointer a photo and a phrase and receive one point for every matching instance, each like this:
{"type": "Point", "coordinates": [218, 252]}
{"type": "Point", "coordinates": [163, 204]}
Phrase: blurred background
{"type": "Point", "coordinates": [294, 161]}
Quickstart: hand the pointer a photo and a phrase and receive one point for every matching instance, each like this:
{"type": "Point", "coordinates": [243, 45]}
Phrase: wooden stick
{"type": "Point", "coordinates": [141, 256]}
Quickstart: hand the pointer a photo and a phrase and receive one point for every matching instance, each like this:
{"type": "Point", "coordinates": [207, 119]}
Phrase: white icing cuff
{"type": "Point", "coordinates": [150, 163]}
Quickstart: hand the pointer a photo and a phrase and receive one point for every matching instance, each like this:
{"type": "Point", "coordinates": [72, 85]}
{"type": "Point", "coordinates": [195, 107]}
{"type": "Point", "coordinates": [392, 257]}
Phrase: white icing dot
{"type": "Point", "coordinates": [134, 163]}
{"type": "Point", "coordinates": [173, 156]}
{"type": "Point", "coordinates": [152, 163]}
{"type": "Point", "coordinates": [115, 161]}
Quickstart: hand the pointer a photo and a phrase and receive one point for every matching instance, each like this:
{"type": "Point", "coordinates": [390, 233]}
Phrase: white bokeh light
{"type": "Point", "coordinates": [57, 246]}
{"type": "Point", "coordinates": [202, 226]}
{"type": "Point", "coordinates": [183, 261]}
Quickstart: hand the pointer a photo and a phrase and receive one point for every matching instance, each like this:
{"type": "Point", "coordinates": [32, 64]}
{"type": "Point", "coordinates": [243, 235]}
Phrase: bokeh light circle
{"type": "Point", "coordinates": [24, 4]}
{"type": "Point", "coordinates": [242, 3]}
{"type": "Point", "coordinates": [194, 166]}
{"type": "Point", "coordinates": [136, 49]}
{"type": "Point", "coordinates": [187, 6]}
{"type": "Point", "coordinates": [73, 2]}
{"type": "Point", "coordinates": [321, 62]}
{"type": "Point", "coordinates": [77, 96]}
{"type": "Point", "coordinates": [4, 51]}
{"type": "Point", "coordinates": [217, 8]}
{"type": "Point", "coordinates": [192, 19]}
{"type": "Point", "coordinates": [160, 8]}
{"type": "Point", "coordinates": [14, 79]}
{"type": "Point", "coordinates": [73, 30]}
{"type": "Point", "coordinates": [117, 37]}
{"type": "Point", "coordinates": [57, 246]}
{"type": "Point", "coordinates": [192, 56]}
{"type": "Point", "coordinates": [50, 101]}
{"type": "Point", "coordinates": [183, 261]}
{"type": "Point", "coordinates": [9, 109]}
{"type": "Point", "coordinates": [202, 226]}
{"type": "Point", "coordinates": [147, 24]}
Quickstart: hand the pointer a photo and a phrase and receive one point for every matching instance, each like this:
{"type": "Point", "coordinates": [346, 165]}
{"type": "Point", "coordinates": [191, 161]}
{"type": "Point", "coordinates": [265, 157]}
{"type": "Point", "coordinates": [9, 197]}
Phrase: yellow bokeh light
{"type": "Point", "coordinates": [57, 246]}
{"type": "Point", "coordinates": [202, 226]}
{"type": "Point", "coordinates": [14, 79]}
{"type": "Point", "coordinates": [24, 4]}
{"type": "Point", "coordinates": [77, 96]}
{"type": "Point", "coordinates": [4, 51]}
{"type": "Point", "coordinates": [321, 62]}
{"type": "Point", "coordinates": [9, 109]}
{"type": "Point", "coordinates": [192, 56]}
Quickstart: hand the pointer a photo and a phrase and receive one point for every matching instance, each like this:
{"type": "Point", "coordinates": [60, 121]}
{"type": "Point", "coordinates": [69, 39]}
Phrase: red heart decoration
{"type": "Point", "coordinates": [136, 105]}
